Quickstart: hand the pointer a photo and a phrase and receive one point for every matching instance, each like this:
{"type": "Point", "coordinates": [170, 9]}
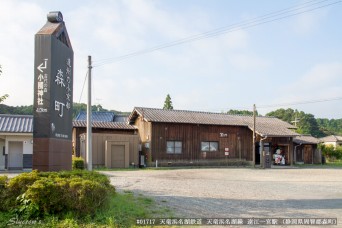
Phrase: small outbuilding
{"type": "Point", "coordinates": [103, 123]}
{"type": "Point", "coordinates": [113, 150]}
{"type": "Point", "coordinates": [306, 150]}
{"type": "Point", "coordinates": [16, 141]}
{"type": "Point", "coordinates": [115, 143]}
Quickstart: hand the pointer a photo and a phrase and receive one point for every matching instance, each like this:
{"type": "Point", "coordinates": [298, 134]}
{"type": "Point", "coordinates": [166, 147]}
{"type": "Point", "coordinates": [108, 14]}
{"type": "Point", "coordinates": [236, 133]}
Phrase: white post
{"type": "Point", "coordinates": [89, 131]}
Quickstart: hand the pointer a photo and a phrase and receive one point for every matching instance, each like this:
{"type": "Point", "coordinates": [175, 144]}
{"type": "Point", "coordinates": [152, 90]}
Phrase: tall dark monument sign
{"type": "Point", "coordinates": [53, 89]}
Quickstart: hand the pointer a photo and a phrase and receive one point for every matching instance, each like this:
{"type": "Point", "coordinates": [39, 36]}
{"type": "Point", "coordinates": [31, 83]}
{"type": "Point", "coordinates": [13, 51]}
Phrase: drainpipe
{"type": "Point", "coordinates": [294, 152]}
{"type": "Point", "coordinates": [262, 152]}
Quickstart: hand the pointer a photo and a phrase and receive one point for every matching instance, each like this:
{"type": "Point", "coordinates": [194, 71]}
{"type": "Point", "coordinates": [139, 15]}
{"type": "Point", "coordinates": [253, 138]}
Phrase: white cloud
{"type": "Point", "coordinates": [306, 23]}
{"type": "Point", "coordinates": [248, 62]}
{"type": "Point", "coordinates": [216, 72]}
{"type": "Point", "coordinates": [322, 81]}
{"type": "Point", "coordinates": [321, 77]}
{"type": "Point", "coordinates": [19, 22]}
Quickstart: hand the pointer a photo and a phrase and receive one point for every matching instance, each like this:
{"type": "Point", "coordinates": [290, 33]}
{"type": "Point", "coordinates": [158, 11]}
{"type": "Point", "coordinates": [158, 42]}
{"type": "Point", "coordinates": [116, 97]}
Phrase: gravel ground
{"type": "Point", "coordinates": [239, 193]}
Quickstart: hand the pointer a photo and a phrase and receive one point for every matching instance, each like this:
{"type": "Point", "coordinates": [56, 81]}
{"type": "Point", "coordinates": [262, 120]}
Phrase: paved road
{"type": "Point", "coordinates": [242, 193]}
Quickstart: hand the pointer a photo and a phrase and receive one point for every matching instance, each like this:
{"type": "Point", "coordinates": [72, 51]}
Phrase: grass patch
{"type": "Point", "coordinates": [327, 165]}
{"type": "Point", "coordinates": [336, 163]}
{"type": "Point", "coordinates": [122, 211]}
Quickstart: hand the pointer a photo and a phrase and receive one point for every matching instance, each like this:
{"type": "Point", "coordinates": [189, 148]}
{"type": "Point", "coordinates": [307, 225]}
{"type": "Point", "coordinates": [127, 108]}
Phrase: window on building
{"type": "Point", "coordinates": [174, 147]}
{"type": "Point", "coordinates": [209, 146]}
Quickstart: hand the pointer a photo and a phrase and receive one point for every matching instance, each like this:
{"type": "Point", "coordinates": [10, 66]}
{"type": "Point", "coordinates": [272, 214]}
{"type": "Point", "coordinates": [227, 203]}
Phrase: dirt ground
{"type": "Point", "coordinates": [239, 192]}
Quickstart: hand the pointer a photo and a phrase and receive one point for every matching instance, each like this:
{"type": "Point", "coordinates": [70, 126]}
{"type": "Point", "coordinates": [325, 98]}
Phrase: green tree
{"type": "Point", "coordinates": [18, 110]}
{"type": "Point", "coordinates": [241, 112]}
{"type": "Point", "coordinates": [330, 127]}
{"type": "Point", "coordinates": [168, 103]}
{"type": "Point", "coordinates": [3, 97]}
{"type": "Point", "coordinates": [307, 123]}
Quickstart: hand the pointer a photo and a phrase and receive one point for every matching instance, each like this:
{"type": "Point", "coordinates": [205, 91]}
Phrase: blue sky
{"type": "Point", "coordinates": [291, 60]}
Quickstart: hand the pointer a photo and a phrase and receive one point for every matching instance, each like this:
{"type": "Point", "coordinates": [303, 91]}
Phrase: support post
{"type": "Point", "coordinates": [254, 118]}
{"type": "Point", "coordinates": [89, 129]}
{"type": "Point", "coordinates": [262, 156]}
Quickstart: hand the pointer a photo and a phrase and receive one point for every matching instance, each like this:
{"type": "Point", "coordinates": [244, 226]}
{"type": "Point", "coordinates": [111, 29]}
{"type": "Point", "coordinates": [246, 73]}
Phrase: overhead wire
{"type": "Point", "coordinates": [85, 79]}
{"type": "Point", "coordinates": [267, 18]}
{"type": "Point", "coordinates": [300, 102]}
{"type": "Point", "coordinates": [201, 35]}
{"type": "Point", "coordinates": [273, 16]}
{"type": "Point", "coordinates": [264, 106]}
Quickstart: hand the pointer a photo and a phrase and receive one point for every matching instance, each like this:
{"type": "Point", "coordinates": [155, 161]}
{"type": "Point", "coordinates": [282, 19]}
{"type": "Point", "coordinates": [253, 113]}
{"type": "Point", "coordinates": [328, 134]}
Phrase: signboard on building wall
{"type": "Point", "coordinates": [223, 135]}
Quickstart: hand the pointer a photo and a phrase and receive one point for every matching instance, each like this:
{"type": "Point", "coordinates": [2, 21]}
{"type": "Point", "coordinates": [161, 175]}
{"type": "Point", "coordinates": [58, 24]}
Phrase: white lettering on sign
{"type": "Point", "coordinates": [223, 135]}
{"type": "Point", "coordinates": [68, 81]}
{"type": "Point", "coordinates": [59, 106]}
{"type": "Point", "coordinates": [42, 83]}
{"type": "Point", "coordinates": [42, 66]}
{"type": "Point", "coordinates": [226, 153]}
{"type": "Point", "coordinates": [64, 81]}
{"type": "Point", "coordinates": [41, 110]}
{"type": "Point", "coordinates": [61, 136]}
{"type": "Point", "coordinates": [60, 78]}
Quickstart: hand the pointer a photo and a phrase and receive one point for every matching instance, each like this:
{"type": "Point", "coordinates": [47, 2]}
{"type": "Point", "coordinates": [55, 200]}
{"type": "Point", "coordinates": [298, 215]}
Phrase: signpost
{"type": "Point", "coordinates": [226, 153]}
{"type": "Point", "coordinates": [53, 96]}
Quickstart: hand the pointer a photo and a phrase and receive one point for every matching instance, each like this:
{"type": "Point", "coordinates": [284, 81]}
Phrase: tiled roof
{"type": "Point", "coordinates": [269, 126]}
{"type": "Point", "coordinates": [331, 138]}
{"type": "Point", "coordinates": [121, 118]}
{"type": "Point", "coordinates": [107, 125]}
{"type": "Point", "coordinates": [96, 116]}
{"type": "Point", "coordinates": [305, 139]}
{"type": "Point", "coordinates": [16, 123]}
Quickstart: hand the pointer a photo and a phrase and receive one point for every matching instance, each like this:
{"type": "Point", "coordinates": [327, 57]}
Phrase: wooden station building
{"type": "Point", "coordinates": [190, 137]}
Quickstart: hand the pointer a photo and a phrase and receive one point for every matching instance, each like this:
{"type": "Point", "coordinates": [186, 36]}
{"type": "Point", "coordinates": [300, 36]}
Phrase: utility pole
{"type": "Point", "coordinates": [254, 118]}
{"type": "Point", "coordinates": [89, 130]}
{"type": "Point", "coordinates": [295, 121]}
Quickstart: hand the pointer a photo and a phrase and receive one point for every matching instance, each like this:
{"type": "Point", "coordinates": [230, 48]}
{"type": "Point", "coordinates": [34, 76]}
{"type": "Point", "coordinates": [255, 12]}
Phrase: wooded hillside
{"type": "Point", "coordinates": [28, 110]}
{"type": "Point", "coordinates": [308, 124]}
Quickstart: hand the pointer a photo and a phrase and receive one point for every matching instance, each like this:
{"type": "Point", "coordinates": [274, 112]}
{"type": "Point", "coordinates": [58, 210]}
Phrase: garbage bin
{"type": "Point", "coordinates": [323, 159]}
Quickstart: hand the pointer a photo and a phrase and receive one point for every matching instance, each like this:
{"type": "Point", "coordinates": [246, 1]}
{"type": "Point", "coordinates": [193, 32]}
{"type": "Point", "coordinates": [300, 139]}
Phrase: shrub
{"type": "Point", "coordinates": [89, 195]}
{"type": "Point", "coordinates": [48, 194]}
{"type": "Point", "coordinates": [57, 193]}
{"type": "Point", "coordinates": [3, 183]}
{"type": "Point", "coordinates": [331, 153]}
{"type": "Point", "coordinates": [18, 185]}
{"type": "Point", "coordinates": [77, 163]}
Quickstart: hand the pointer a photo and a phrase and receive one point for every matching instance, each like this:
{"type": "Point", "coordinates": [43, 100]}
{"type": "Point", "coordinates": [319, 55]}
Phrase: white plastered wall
{"type": "Point", "coordinates": [27, 142]}
{"type": "Point", "coordinates": [5, 139]}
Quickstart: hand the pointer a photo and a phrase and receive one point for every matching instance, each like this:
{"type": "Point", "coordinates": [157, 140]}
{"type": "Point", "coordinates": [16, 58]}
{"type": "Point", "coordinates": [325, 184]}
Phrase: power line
{"type": "Point", "coordinates": [267, 18]}
{"type": "Point", "coordinates": [85, 79]}
{"type": "Point", "coordinates": [249, 108]}
{"type": "Point", "coordinates": [205, 34]}
{"type": "Point", "coordinates": [301, 102]}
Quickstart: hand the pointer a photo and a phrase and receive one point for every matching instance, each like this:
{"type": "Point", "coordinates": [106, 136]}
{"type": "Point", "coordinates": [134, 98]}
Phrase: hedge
{"type": "Point", "coordinates": [35, 194]}
{"type": "Point", "coordinates": [77, 163]}
{"type": "Point", "coordinates": [330, 152]}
